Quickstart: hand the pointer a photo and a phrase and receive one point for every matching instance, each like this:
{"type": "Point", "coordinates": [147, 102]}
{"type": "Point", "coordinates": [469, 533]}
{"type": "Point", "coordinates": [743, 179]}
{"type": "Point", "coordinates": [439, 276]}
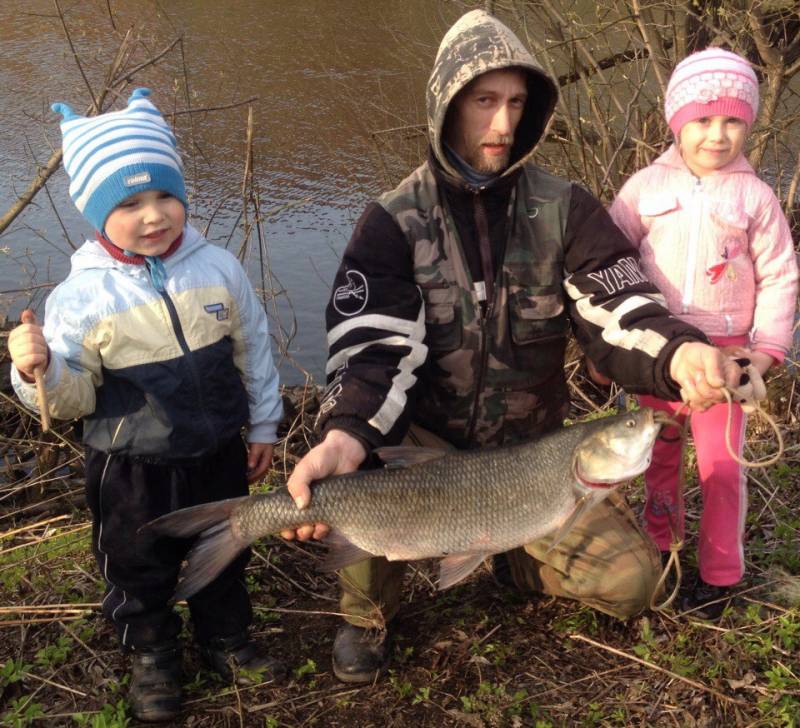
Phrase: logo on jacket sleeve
{"type": "Point", "coordinates": [219, 309]}
{"type": "Point", "coordinates": [351, 298]}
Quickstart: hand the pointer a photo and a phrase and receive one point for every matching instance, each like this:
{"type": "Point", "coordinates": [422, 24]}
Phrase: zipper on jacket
{"type": "Point", "coordinates": [484, 357]}
{"type": "Point", "coordinates": [728, 325]}
{"type": "Point", "coordinates": [484, 247]}
{"type": "Point", "coordinates": [187, 353]}
{"type": "Point", "coordinates": [489, 276]}
{"type": "Point", "coordinates": [691, 259]}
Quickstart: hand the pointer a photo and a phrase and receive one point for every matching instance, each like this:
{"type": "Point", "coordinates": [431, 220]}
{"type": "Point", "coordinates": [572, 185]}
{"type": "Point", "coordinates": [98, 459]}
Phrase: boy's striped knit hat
{"type": "Point", "coordinates": [710, 83]}
{"type": "Point", "coordinates": [115, 155]}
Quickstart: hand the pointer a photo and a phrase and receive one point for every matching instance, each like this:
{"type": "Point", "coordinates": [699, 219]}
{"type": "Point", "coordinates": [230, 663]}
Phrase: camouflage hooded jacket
{"type": "Point", "coordinates": [409, 339]}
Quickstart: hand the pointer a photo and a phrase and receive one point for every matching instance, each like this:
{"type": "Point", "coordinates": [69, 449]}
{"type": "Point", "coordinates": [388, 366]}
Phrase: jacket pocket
{"type": "Point", "coordinates": [730, 216]}
{"type": "Point", "coordinates": [655, 205]}
{"type": "Point", "coordinates": [536, 312]}
{"type": "Point", "coordinates": [442, 316]}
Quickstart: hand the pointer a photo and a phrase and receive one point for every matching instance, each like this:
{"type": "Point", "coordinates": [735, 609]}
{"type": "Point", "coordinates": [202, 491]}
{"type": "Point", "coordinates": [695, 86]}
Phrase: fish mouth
{"type": "Point", "coordinates": [662, 418]}
{"type": "Point", "coordinates": [594, 484]}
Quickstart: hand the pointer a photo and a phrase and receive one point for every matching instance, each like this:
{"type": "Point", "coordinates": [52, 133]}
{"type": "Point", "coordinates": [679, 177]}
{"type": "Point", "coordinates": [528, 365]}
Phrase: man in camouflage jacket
{"type": "Point", "coordinates": [448, 320]}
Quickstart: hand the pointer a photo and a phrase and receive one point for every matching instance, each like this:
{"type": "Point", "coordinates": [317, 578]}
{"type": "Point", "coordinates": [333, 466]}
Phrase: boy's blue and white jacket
{"type": "Point", "coordinates": [165, 375]}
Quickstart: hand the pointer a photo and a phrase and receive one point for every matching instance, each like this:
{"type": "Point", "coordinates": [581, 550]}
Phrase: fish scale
{"type": "Point", "coordinates": [462, 505]}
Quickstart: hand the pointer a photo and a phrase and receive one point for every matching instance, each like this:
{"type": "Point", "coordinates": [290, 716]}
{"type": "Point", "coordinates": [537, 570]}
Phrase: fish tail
{"type": "Point", "coordinates": [216, 546]}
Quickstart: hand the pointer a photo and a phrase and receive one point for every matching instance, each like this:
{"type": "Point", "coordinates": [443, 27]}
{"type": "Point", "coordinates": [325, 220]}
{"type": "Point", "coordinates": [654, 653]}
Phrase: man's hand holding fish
{"type": "Point", "coordinates": [338, 454]}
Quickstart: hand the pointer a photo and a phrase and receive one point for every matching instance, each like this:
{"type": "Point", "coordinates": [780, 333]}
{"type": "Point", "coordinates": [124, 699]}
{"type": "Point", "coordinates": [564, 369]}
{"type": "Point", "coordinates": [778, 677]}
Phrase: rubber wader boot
{"type": "Point", "coordinates": [155, 693]}
{"type": "Point", "coordinates": [361, 655]}
{"type": "Point", "coordinates": [237, 657]}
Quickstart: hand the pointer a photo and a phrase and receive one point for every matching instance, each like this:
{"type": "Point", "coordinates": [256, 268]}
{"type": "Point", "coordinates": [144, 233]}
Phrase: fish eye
{"type": "Point", "coordinates": [630, 423]}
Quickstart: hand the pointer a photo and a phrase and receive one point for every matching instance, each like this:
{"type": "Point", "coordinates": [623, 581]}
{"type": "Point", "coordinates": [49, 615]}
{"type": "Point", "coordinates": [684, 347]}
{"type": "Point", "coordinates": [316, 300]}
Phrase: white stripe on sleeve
{"type": "Point", "coordinates": [646, 340]}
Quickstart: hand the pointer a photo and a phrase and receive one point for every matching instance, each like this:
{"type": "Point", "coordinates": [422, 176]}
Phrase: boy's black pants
{"type": "Point", "coordinates": [141, 571]}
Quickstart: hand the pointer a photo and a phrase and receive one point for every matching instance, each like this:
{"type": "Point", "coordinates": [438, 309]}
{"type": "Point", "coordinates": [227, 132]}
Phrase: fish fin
{"type": "Point", "coordinates": [342, 552]}
{"type": "Point", "coordinates": [190, 521]}
{"type": "Point", "coordinates": [404, 456]}
{"type": "Point", "coordinates": [214, 549]}
{"type": "Point", "coordinates": [584, 504]}
{"type": "Point", "coordinates": [456, 567]}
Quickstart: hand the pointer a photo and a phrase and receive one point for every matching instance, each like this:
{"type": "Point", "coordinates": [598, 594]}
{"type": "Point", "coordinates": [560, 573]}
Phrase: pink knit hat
{"type": "Point", "coordinates": [710, 83]}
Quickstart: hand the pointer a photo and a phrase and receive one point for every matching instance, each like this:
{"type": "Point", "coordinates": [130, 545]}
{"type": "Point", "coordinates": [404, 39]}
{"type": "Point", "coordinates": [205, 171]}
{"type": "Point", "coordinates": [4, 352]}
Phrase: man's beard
{"type": "Point", "coordinates": [485, 163]}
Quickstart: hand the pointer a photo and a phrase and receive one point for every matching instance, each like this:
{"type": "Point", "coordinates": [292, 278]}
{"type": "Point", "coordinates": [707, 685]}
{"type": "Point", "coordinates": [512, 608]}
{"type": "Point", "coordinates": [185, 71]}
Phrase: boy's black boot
{"type": "Point", "coordinates": [155, 693]}
{"type": "Point", "coordinates": [238, 658]}
{"type": "Point", "coordinates": [706, 601]}
{"type": "Point", "coordinates": [360, 655]}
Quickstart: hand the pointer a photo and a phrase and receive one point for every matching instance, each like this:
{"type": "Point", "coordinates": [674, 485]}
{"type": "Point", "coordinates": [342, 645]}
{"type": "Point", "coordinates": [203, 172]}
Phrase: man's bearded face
{"type": "Point", "coordinates": [487, 112]}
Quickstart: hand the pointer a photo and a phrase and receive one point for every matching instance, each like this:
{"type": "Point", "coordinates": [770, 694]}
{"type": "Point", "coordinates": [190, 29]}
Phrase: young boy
{"type": "Point", "coordinates": [158, 341]}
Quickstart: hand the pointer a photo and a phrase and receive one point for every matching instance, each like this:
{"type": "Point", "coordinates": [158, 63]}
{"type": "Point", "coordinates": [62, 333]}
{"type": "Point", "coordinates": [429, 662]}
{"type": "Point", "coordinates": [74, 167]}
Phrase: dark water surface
{"type": "Point", "coordinates": [326, 74]}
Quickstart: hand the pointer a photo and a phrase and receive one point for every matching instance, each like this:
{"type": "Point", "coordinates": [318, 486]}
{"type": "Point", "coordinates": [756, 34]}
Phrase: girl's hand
{"type": "Point", "coordinates": [761, 361]}
{"type": "Point", "coordinates": [27, 346]}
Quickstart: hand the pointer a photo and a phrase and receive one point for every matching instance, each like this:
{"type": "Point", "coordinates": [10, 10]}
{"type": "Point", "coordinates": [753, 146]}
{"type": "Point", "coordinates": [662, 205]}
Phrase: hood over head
{"type": "Point", "coordinates": [476, 44]}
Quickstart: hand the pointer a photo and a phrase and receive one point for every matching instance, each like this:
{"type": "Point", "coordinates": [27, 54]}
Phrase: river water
{"type": "Point", "coordinates": [327, 75]}
{"type": "Point", "coordinates": [340, 96]}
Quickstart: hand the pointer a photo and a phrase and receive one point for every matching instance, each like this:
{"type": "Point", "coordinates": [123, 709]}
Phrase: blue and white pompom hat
{"type": "Point", "coordinates": [115, 155]}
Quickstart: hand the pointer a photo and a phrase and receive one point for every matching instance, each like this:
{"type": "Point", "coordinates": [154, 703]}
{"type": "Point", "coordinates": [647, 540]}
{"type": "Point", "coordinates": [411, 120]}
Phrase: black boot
{"type": "Point", "coordinates": [501, 569]}
{"type": "Point", "coordinates": [706, 601]}
{"type": "Point", "coordinates": [237, 657]}
{"type": "Point", "coordinates": [155, 692]}
{"type": "Point", "coordinates": [360, 655]}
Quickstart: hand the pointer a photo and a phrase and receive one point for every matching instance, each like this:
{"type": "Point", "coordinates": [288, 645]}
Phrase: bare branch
{"type": "Point", "coordinates": [200, 110]}
{"type": "Point", "coordinates": [42, 175]}
{"type": "Point", "coordinates": [652, 41]}
{"type": "Point", "coordinates": [95, 103]}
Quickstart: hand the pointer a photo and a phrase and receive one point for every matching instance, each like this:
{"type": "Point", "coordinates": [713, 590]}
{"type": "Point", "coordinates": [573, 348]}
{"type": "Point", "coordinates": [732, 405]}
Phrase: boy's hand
{"type": "Point", "coordinates": [259, 458]}
{"type": "Point", "coordinates": [27, 346]}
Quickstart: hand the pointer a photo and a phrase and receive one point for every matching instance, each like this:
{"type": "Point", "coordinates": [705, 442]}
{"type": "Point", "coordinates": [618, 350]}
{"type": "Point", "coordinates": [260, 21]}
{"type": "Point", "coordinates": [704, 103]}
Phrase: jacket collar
{"type": "Point", "coordinates": [119, 254]}
{"type": "Point", "coordinates": [502, 184]}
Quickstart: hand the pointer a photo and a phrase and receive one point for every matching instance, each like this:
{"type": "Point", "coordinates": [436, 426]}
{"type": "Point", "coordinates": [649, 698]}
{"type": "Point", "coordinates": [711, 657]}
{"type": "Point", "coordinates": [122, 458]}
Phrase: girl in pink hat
{"type": "Point", "coordinates": [714, 240]}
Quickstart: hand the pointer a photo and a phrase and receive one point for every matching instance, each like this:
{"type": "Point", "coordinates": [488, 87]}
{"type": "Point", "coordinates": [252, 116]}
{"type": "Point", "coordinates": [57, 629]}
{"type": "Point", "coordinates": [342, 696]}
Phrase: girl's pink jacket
{"type": "Point", "coordinates": [718, 248]}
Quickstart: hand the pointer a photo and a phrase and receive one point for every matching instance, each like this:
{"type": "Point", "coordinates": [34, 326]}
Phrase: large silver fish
{"type": "Point", "coordinates": [459, 505]}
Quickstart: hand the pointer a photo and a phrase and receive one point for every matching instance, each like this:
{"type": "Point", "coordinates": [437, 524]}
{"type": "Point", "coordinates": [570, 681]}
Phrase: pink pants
{"type": "Point", "coordinates": [723, 486]}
